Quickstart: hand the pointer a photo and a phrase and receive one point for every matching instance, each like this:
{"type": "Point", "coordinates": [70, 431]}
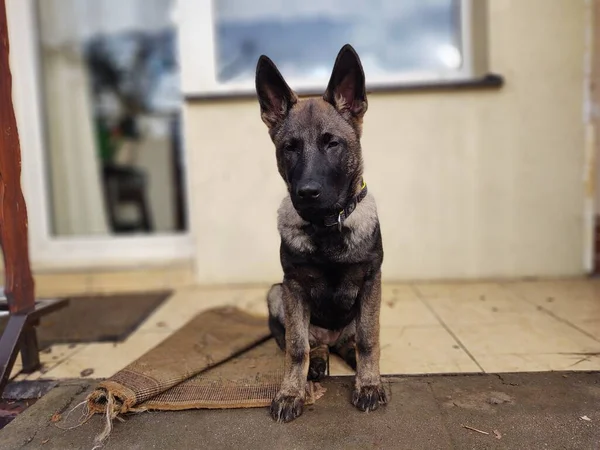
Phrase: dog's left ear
{"type": "Point", "coordinates": [346, 89]}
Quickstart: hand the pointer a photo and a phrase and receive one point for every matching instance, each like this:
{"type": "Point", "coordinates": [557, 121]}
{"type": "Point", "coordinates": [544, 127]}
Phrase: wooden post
{"type": "Point", "coordinates": [18, 285]}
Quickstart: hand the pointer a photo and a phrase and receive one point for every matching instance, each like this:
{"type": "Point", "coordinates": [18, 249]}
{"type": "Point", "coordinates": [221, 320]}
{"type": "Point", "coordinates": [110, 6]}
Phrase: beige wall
{"type": "Point", "coordinates": [471, 184]}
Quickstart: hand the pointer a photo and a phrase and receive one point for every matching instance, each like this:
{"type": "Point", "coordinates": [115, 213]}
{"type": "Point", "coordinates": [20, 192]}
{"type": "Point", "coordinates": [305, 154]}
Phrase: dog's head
{"type": "Point", "coordinates": [317, 140]}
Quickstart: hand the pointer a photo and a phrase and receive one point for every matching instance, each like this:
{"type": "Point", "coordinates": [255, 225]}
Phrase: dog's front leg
{"type": "Point", "coordinates": [289, 401]}
{"type": "Point", "coordinates": [368, 392]}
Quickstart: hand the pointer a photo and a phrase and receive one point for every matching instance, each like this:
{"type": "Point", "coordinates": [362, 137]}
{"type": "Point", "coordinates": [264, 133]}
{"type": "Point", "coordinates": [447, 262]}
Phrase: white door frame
{"type": "Point", "coordinates": [58, 252]}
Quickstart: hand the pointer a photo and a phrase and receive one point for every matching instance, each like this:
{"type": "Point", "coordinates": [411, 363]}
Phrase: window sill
{"type": "Point", "coordinates": [488, 82]}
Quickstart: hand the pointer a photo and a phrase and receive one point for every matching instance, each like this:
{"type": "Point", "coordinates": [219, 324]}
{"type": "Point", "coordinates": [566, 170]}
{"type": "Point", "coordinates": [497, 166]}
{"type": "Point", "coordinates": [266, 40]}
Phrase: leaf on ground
{"type": "Point", "coordinates": [86, 372]}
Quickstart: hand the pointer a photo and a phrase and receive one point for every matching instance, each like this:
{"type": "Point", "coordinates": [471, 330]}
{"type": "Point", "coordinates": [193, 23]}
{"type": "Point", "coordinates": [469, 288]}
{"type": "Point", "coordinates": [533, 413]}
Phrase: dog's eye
{"type": "Point", "coordinates": [289, 147]}
{"type": "Point", "coordinates": [333, 144]}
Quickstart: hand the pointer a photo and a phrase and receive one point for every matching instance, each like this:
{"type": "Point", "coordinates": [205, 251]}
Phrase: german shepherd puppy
{"type": "Point", "coordinates": [331, 248]}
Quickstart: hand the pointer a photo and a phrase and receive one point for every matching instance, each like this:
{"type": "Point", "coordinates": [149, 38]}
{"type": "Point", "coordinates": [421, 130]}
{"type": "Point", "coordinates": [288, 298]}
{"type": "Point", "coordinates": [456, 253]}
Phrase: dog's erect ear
{"type": "Point", "coordinates": [346, 89]}
{"type": "Point", "coordinates": [274, 95]}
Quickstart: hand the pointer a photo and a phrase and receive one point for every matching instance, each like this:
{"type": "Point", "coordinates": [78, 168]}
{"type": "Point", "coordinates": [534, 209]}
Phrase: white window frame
{"type": "Point", "coordinates": [197, 45]}
{"type": "Point", "coordinates": [49, 252]}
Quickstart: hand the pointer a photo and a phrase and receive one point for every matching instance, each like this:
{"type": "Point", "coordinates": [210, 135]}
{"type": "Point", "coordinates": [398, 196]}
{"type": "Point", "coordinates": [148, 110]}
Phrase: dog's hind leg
{"type": "Point", "coordinates": [276, 314]}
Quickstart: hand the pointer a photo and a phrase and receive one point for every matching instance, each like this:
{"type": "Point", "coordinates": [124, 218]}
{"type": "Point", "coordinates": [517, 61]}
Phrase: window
{"type": "Point", "coordinates": [399, 41]}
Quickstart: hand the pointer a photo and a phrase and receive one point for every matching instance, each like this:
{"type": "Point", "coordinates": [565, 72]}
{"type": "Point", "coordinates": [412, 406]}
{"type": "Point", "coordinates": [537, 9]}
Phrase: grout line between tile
{"type": "Point", "coordinates": [446, 327]}
{"type": "Point", "coordinates": [549, 313]}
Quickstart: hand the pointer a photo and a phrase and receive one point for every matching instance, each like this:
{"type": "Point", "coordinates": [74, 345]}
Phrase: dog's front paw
{"type": "Point", "coordinates": [285, 408]}
{"type": "Point", "coordinates": [368, 398]}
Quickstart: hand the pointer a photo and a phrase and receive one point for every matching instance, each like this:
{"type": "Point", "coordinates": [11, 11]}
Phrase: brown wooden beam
{"type": "Point", "coordinates": [18, 286]}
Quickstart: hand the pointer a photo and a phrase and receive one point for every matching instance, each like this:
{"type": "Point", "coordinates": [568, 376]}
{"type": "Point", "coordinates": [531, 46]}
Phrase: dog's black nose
{"type": "Point", "coordinates": [309, 191]}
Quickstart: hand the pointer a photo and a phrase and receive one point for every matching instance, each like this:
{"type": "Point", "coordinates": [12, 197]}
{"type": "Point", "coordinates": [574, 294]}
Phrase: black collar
{"type": "Point", "coordinates": [339, 219]}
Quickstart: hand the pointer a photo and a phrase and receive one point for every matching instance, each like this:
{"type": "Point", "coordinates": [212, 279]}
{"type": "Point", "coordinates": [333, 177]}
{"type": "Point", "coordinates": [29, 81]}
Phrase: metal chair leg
{"type": "Point", "coordinates": [9, 346]}
{"type": "Point", "coordinates": [30, 355]}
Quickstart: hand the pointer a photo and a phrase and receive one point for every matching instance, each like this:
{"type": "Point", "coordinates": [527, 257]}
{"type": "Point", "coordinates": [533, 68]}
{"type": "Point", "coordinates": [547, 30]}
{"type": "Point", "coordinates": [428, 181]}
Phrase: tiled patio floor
{"type": "Point", "coordinates": [426, 328]}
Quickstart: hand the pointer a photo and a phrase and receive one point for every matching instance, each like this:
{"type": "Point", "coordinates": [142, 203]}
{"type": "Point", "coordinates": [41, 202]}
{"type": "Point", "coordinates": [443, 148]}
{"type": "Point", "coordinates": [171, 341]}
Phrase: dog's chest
{"type": "Point", "coordinates": [333, 294]}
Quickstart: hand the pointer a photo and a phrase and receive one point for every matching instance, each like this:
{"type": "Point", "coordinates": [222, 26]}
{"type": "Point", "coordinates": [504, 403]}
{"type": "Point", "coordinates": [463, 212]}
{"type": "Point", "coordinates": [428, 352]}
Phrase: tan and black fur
{"type": "Point", "coordinates": [331, 291]}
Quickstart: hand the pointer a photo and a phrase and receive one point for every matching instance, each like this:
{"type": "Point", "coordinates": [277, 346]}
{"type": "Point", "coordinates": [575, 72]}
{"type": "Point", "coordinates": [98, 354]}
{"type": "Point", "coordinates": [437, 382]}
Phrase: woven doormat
{"type": "Point", "coordinates": [98, 318]}
{"type": "Point", "coordinates": [223, 358]}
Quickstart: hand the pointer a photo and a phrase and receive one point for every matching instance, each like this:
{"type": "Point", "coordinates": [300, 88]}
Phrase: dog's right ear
{"type": "Point", "coordinates": [274, 95]}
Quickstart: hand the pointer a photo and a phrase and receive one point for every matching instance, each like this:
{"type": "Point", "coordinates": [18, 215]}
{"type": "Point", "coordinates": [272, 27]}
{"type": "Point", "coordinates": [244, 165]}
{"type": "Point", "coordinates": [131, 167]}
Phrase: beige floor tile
{"type": "Point", "coordinates": [185, 304]}
{"type": "Point", "coordinates": [406, 312]}
{"type": "Point", "coordinates": [543, 290]}
{"type": "Point", "coordinates": [105, 359]}
{"type": "Point", "coordinates": [537, 341]}
{"type": "Point", "coordinates": [422, 349]}
{"type": "Point", "coordinates": [479, 304]}
{"type": "Point", "coordinates": [173, 313]}
{"type": "Point", "coordinates": [572, 300]}
{"type": "Point", "coordinates": [54, 356]}
{"type": "Point", "coordinates": [20, 377]}
{"type": "Point", "coordinates": [395, 292]}
{"type": "Point", "coordinates": [337, 367]}
{"type": "Point", "coordinates": [466, 291]}
{"type": "Point", "coordinates": [89, 365]}
{"type": "Point", "coordinates": [401, 306]}
{"type": "Point", "coordinates": [100, 361]}
{"type": "Point", "coordinates": [253, 301]}
{"type": "Point", "coordinates": [16, 369]}
{"type": "Point", "coordinates": [590, 326]}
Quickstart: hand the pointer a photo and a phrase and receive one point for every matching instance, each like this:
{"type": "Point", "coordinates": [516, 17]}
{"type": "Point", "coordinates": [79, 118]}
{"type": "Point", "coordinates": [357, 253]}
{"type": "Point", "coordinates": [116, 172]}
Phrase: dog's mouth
{"type": "Point", "coordinates": [317, 213]}
{"type": "Point", "coordinates": [313, 215]}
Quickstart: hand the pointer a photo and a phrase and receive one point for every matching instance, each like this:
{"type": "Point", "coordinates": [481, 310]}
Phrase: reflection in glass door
{"type": "Point", "coordinates": [109, 74]}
